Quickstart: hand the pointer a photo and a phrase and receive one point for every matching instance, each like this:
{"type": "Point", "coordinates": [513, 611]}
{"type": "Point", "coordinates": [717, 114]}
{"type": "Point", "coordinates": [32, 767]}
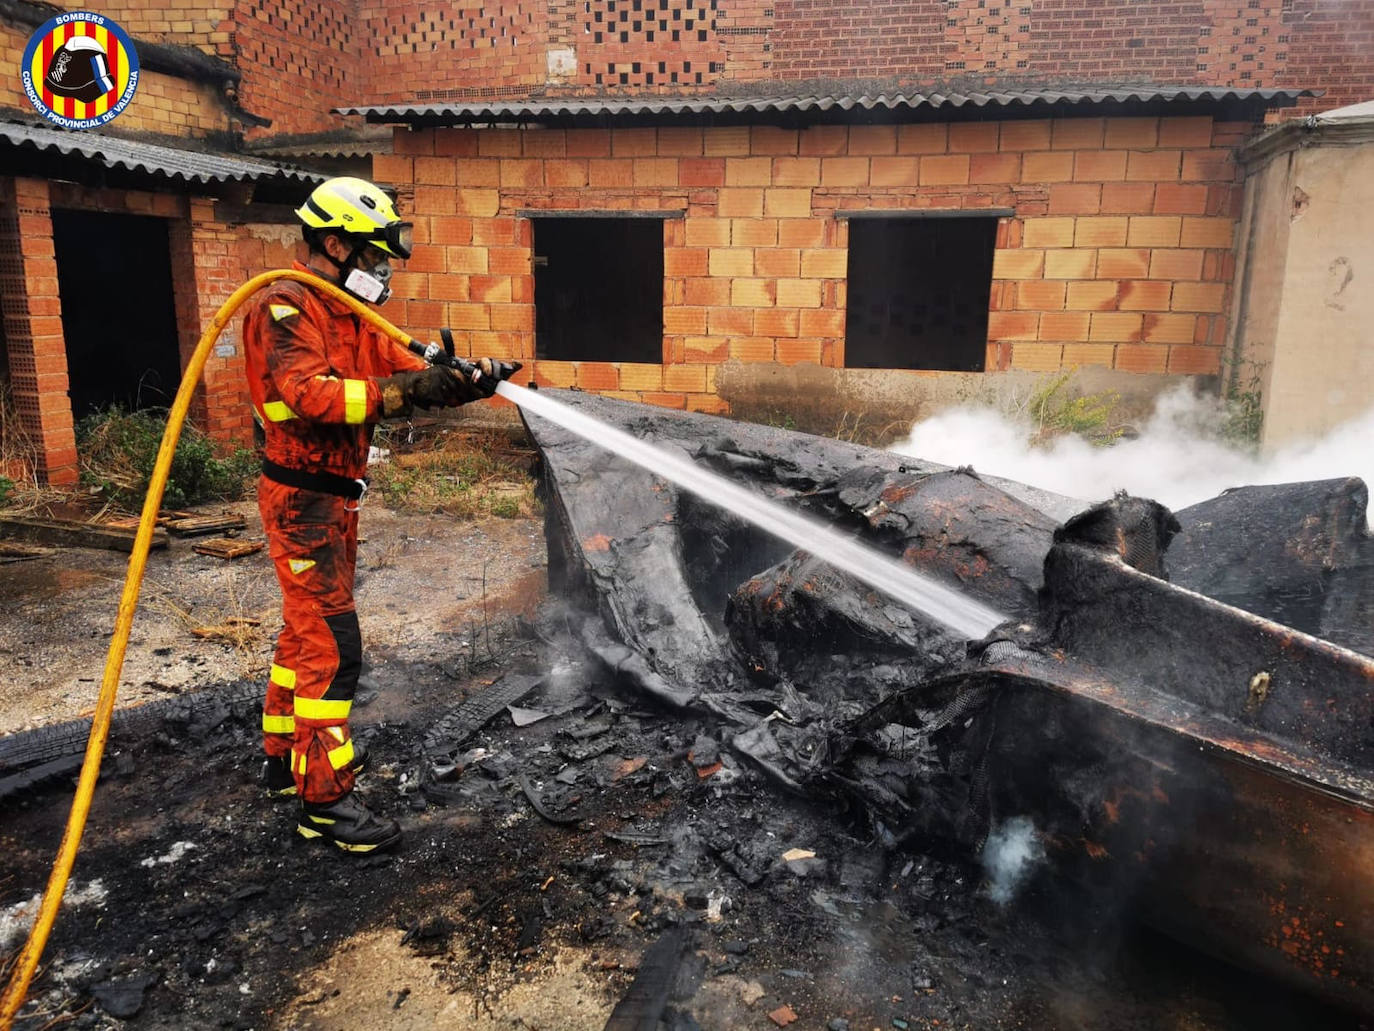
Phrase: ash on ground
{"type": "Point", "coordinates": [542, 864]}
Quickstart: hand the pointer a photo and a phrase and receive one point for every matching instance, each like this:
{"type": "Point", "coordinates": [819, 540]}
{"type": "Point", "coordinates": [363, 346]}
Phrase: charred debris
{"type": "Point", "coordinates": [1176, 717]}
{"type": "Point", "coordinates": [788, 797]}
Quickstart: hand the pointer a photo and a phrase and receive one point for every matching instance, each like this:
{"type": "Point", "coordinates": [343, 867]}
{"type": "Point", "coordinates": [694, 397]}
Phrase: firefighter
{"type": "Point", "coordinates": [320, 379]}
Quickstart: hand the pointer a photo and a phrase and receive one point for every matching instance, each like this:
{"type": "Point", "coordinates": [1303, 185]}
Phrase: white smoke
{"type": "Point", "coordinates": [1178, 458]}
{"type": "Point", "coordinates": [1011, 852]}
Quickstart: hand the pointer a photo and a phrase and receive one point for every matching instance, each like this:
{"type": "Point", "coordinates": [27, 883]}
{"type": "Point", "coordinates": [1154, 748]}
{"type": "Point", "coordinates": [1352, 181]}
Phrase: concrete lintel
{"type": "Point", "coordinates": [926, 213]}
{"type": "Point", "coordinates": [664, 213]}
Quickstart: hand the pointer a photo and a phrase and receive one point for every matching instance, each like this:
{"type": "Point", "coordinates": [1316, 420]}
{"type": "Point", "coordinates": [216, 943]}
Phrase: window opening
{"type": "Point", "coordinates": [598, 289]}
{"type": "Point", "coordinates": [918, 293]}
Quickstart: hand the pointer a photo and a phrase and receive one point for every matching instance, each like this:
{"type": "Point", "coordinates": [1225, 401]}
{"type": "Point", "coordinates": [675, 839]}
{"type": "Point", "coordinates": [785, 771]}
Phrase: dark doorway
{"type": "Point", "coordinates": [114, 275]}
{"type": "Point", "coordinates": [598, 289]}
{"type": "Point", "coordinates": [918, 293]}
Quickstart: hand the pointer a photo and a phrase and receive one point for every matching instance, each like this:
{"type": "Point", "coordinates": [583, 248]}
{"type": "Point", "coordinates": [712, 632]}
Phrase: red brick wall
{"type": "Point", "coordinates": [1328, 44]}
{"type": "Point", "coordinates": [299, 58]}
{"type": "Point", "coordinates": [1110, 40]}
{"type": "Point", "coordinates": [205, 24]}
{"type": "Point", "coordinates": [209, 261]}
{"type": "Point", "coordinates": [848, 38]}
{"type": "Point", "coordinates": [1120, 252]}
{"type": "Point", "coordinates": [622, 44]}
{"type": "Point", "coordinates": [33, 327]}
{"type": "Point", "coordinates": [427, 51]}
{"type": "Point", "coordinates": [1321, 44]}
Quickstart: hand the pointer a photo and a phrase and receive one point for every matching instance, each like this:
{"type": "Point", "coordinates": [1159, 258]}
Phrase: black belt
{"type": "Point", "coordinates": [324, 483]}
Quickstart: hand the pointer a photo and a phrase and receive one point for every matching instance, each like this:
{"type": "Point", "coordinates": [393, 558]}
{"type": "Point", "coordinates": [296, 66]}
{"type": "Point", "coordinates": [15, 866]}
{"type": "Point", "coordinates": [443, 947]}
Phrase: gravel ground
{"type": "Point", "coordinates": [418, 575]}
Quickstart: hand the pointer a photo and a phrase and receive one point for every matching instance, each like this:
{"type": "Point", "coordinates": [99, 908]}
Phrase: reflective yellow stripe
{"type": "Point", "coordinates": [341, 756]}
{"type": "Point", "coordinates": [283, 677]}
{"type": "Point", "coordinates": [322, 709]}
{"type": "Point", "coordinates": [278, 724]}
{"type": "Point", "coordinates": [355, 400]}
{"type": "Point", "coordinates": [282, 311]}
{"type": "Point", "coordinates": [298, 762]}
{"type": "Point", "coordinates": [276, 411]}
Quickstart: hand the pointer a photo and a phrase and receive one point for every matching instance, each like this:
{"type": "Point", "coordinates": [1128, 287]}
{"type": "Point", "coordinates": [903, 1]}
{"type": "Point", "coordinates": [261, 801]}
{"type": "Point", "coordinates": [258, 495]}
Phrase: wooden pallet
{"type": "Point", "coordinates": [227, 547]}
{"type": "Point", "coordinates": [196, 526]}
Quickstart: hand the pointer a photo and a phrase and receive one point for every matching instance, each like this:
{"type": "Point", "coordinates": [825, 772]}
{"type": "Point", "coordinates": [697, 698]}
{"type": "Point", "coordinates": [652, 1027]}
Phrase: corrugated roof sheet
{"type": "Point", "coordinates": [149, 158]}
{"type": "Point", "coordinates": [372, 139]}
{"type": "Point", "coordinates": [648, 108]}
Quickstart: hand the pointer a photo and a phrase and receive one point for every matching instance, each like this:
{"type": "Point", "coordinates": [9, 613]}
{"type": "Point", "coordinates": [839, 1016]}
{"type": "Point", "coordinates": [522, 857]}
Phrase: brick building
{"type": "Point", "coordinates": [115, 250]}
{"type": "Point", "coordinates": [697, 265]}
{"type": "Point", "coordinates": [719, 204]}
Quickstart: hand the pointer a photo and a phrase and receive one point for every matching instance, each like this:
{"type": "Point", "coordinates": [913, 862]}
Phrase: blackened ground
{"type": "Point", "coordinates": [491, 916]}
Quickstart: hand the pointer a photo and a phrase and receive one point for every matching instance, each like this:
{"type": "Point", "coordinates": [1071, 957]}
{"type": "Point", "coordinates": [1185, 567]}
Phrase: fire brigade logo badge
{"type": "Point", "coordinates": [80, 70]}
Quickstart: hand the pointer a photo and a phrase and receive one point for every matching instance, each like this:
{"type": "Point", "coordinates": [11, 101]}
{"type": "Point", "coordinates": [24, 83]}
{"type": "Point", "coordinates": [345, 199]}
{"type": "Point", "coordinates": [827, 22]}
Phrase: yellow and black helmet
{"type": "Point", "coordinates": [359, 210]}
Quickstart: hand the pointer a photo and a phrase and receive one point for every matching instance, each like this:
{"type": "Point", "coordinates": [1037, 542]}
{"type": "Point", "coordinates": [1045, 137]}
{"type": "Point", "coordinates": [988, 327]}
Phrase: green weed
{"type": "Point", "coordinates": [1089, 416]}
{"type": "Point", "coordinates": [466, 474]}
{"type": "Point", "coordinates": [117, 450]}
{"type": "Point", "coordinates": [1244, 408]}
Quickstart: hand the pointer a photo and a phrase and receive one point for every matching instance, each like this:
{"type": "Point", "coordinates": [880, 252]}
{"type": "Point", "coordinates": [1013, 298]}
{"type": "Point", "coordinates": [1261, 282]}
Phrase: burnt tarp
{"type": "Point", "coordinates": [814, 625]}
{"type": "Point", "coordinates": [1187, 759]}
{"type": "Point", "coordinates": [691, 588]}
{"type": "Point", "coordinates": [1298, 553]}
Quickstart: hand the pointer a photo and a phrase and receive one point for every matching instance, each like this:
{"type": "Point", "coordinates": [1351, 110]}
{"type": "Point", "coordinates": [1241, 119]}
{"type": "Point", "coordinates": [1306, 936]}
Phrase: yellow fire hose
{"type": "Point", "coordinates": [27, 963]}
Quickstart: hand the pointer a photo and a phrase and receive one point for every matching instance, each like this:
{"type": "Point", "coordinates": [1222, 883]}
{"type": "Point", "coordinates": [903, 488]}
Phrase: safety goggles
{"type": "Point", "coordinates": [397, 238]}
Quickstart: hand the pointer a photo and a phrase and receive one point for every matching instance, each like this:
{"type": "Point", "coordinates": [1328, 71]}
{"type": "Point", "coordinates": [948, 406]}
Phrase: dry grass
{"type": "Point", "coordinates": [854, 430]}
{"type": "Point", "coordinates": [20, 494]}
{"type": "Point", "coordinates": [18, 452]}
{"type": "Point", "coordinates": [465, 474]}
{"type": "Point", "coordinates": [19, 464]}
{"type": "Point", "coordinates": [230, 624]}
{"type": "Point", "coordinates": [245, 631]}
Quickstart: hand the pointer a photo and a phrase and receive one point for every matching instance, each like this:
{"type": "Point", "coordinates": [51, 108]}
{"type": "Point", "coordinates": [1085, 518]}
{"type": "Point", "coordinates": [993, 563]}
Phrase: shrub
{"type": "Point", "coordinates": [118, 449]}
{"type": "Point", "coordinates": [1087, 415]}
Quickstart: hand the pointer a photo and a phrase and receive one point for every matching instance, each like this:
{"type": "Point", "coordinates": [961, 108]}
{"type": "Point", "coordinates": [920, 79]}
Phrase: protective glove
{"type": "Point", "coordinates": [435, 387]}
{"type": "Point", "coordinates": [490, 371]}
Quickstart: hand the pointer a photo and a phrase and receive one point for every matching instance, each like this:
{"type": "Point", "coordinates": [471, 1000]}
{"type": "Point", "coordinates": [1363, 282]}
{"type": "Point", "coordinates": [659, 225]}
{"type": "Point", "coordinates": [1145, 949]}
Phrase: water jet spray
{"type": "Point", "coordinates": [962, 614]}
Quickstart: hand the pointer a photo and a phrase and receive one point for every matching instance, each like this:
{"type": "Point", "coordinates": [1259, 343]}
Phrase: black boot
{"type": "Point", "coordinates": [276, 776]}
{"type": "Point", "coordinates": [276, 772]}
{"type": "Point", "coordinates": [348, 823]}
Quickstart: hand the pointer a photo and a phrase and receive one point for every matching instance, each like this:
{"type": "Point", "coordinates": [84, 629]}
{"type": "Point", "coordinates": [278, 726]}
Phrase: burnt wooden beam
{"type": "Point", "coordinates": [70, 533]}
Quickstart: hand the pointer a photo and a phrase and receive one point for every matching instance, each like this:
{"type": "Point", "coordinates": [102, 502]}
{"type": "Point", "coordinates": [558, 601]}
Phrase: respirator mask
{"type": "Point", "coordinates": [369, 283]}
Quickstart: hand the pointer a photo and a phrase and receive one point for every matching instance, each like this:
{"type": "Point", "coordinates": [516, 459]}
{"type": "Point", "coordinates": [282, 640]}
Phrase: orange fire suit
{"type": "Point", "coordinates": [312, 369]}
